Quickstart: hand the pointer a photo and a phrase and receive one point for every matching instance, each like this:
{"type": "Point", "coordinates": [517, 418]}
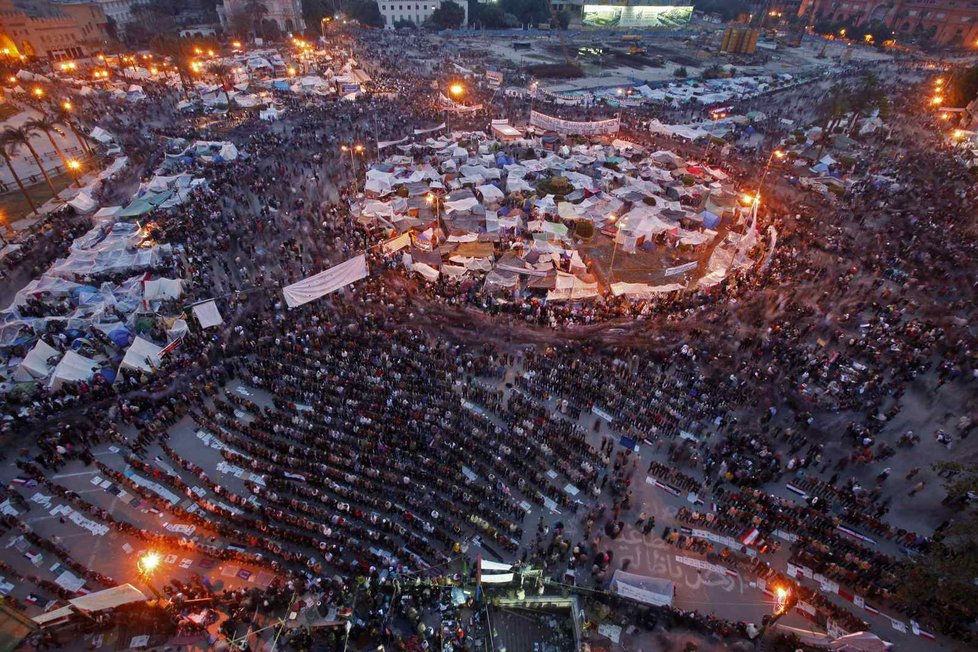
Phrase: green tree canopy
{"type": "Point", "coordinates": [448, 15]}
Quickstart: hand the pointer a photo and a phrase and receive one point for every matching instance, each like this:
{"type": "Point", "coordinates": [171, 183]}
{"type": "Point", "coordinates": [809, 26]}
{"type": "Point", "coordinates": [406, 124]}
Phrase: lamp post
{"type": "Point", "coordinates": [73, 165]}
{"type": "Point", "coordinates": [146, 565]}
{"type": "Point", "coordinates": [353, 150]}
{"type": "Point", "coordinates": [614, 250]}
{"type": "Point", "coordinates": [433, 200]}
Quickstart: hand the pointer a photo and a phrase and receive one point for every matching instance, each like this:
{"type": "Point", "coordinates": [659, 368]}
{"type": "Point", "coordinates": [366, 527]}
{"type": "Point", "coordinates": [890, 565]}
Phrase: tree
{"type": "Point", "coordinates": [487, 16]}
{"type": "Point", "coordinates": [448, 15]}
{"type": "Point", "coordinates": [833, 106]}
{"type": "Point", "coordinates": [46, 125]}
{"type": "Point", "coordinates": [868, 97]}
{"type": "Point", "coordinates": [17, 136]}
{"type": "Point", "coordinates": [239, 22]}
{"type": "Point", "coordinates": [64, 118]}
{"type": "Point", "coordinates": [366, 12]}
{"type": "Point", "coordinates": [223, 72]}
{"type": "Point", "coordinates": [528, 12]}
{"type": "Point", "coordinates": [726, 9]}
{"type": "Point", "coordinates": [561, 19]}
{"type": "Point", "coordinates": [961, 88]}
{"type": "Point", "coordinates": [20, 184]}
{"type": "Point", "coordinates": [680, 72]}
{"type": "Point", "coordinates": [178, 50]}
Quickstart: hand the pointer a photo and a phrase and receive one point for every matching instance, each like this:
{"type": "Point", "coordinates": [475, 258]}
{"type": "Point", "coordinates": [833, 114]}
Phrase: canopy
{"type": "Point", "coordinates": [142, 355]}
{"type": "Point", "coordinates": [207, 314]}
{"type": "Point", "coordinates": [72, 368]}
{"type": "Point", "coordinates": [860, 642]}
{"type": "Point", "coordinates": [35, 364]}
{"type": "Point", "coordinates": [94, 602]}
{"type": "Point", "coordinates": [162, 288]}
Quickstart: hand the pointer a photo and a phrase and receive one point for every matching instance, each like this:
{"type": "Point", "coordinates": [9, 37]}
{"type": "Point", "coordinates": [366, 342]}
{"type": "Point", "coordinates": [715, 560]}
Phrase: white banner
{"type": "Point", "coordinates": [679, 269]}
{"type": "Point", "coordinates": [207, 314]}
{"type": "Point", "coordinates": [550, 123]}
{"type": "Point", "coordinates": [326, 281]}
{"type": "Point", "coordinates": [494, 565]}
{"type": "Point", "coordinates": [418, 132]}
{"type": "Point", "coordinates": [381, 144]}
{"type": "Point", "coordinates": [502, 578]}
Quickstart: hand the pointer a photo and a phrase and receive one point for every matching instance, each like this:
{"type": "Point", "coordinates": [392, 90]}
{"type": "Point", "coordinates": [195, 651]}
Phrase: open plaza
{"type": "Point", "coordinates": [506, 340]}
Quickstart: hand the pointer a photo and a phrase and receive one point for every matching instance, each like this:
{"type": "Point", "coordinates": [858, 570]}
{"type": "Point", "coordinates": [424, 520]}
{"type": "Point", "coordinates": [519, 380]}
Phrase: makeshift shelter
{"type": "Point", "coordinates": [73, 368]}
{"type": "Point", "coordinates": [162, 288]}
{"type": "Point", "coordinates": [860, 642]}
{"type": "Point", "coordinates": [142, 355]}
{"type": "Point", "coordinates": [92, 603]}
{"type": "Point", "coordinates": [35, 365]}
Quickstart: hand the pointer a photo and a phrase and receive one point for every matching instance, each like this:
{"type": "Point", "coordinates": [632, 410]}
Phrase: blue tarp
{"type": "Point", "coordinates": [120, 337]}
{"type": "Point", "coordinates": [281, 86]}
{"type": "Point", "coordinates": [710, 220]}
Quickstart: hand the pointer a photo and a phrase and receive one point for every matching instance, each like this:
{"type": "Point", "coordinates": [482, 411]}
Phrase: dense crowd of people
{"type": "Point", "coordinates": [374, 442]}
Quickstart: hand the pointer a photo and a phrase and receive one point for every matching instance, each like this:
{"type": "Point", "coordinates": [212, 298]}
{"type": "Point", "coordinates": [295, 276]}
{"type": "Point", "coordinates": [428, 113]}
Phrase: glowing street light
{"type": "Point", "coordinates": [146, 566]}
{"type": "Point", "coordinates": [66, 105]}
{"type": "Point", "coordinates": [456, 90]}
{"type": "Point", "coordinates": [74, 164]}
{"type": "Point", "coordinates": [291, 71]}
{"type": "Point", "coordinates": [38, 91]}
{"type": "Point", "coordinates": [353, 150]}
{"type": "Point", "coordinates": [937, 100]}
{"type": "Point", "coordinates": [236, 44]}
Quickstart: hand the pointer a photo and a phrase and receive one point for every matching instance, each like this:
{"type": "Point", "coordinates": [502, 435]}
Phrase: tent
{"type": "Point", "coordinates": [207, 314]}
{"type": "Point", "coordinates": [93, 602]}
{"type": "Point", "coordinates": [860, 642]}
{"type": "Point", "coordinates": [650, 590]}
{"type": "Point", "coordinates": [73, 368]}
{"type": "Point", "coordinates": [491, 194]}
{"type": "Point", "coordinates": [142, 355]}
{"type": "Point", "coordinates": [101, 135]}
{"type": "Point", "coordinates": [83, 202]}
{"type": "Point", "coordinates": [35, 365]}
{"type": "Point", "coordinates": [162, 288]}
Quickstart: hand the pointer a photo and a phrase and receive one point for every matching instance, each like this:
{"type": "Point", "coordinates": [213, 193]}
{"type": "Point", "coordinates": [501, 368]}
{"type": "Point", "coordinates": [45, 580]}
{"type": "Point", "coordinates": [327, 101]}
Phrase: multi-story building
{"type": "Point", "coordinates": [945, 22]}
{"type": "Point", "coordinates": [415, 11]}
{"type": "Point", "coordinates": [287, 14]}
{"type": "Point", "coordinates": [37, 28]}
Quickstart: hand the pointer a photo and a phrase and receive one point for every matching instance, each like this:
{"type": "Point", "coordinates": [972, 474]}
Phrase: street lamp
{"type": "Point", "coordinates": [614, 251]}
{"type": "Point", "coordinates": [433, 200]}
{"type": "Point", "coordinates": [353, 150]}
{"type": "Point", "coordinates": [146, 565]}
{"type": "Point", "coordinates": [38, 91]}
{"type": "Point", "coordinates": [73, 165]}
{"type": "Point", "coordinates": [456, 90]}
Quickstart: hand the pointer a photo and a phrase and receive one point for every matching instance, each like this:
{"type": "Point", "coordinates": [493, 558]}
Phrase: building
{"type": "Point", "coordinates": [636, 14]}
{"type": "Point", "coordinates": [415, 11]}
{"type": "Point", "coordinates": [37, 28]}
{"type": "Point", "coordinates": [120, 11]}
{"type": "Point", "coordinates": [944, 22]}
{"type": "Point", "coordinates": [287, 14]}
{"type": "Point", "coordinates": [739, 39]}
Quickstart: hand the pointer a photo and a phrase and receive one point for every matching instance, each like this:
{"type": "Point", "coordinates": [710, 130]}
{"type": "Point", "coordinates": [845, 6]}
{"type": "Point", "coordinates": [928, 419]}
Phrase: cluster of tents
{"type": "Point", "coordinates": [471, 207]}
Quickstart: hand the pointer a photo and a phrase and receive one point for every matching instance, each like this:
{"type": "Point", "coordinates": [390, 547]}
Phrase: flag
{"type": "Point", "coordinates": [750, 536]}
{"type": "Point", "coordinates": [171, 346]}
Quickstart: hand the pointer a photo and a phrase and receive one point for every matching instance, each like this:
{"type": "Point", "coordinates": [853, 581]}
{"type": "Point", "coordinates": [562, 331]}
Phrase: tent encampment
{"type": "Point", "coordinates": [73, 368]}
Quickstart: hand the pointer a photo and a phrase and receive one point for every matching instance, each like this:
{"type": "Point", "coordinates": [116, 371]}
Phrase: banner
{"type": "Point", "coordinates": [495, 78]}
{"type": "Point", "coordinates": [326, 281]}
{"type": "Point", "coordinates": [581, 99]}
{"type": "Point", "coordinates": [571, 127]}
{"type": "Point", "coordinates": [679, 269]}
{"type": "Point", "coordinates": [418, 132]}
{"type": "Point", "coordinates": [381, 144]}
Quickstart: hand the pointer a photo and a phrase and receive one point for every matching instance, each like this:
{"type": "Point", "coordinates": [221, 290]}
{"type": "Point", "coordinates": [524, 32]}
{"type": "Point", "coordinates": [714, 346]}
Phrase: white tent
{"type": "Point", "coordinates": [72, 368]}
{"type": "Point", "coordinates": [207, 314]}
{"type": "Point", "coordinates": [491, 193]}
{"type": "Point", "coordinates": [101, 135]}
{"type": "Point", "coordinates": [162, 288]}
{"type": "Point", "coordinates": [142, 355]}
{"type": "Point", "coordinates": [177, 329]}
{"type": "Point", "coordinates": [83, 202]}
{"type": "Point", "coordinates": [35, 364]}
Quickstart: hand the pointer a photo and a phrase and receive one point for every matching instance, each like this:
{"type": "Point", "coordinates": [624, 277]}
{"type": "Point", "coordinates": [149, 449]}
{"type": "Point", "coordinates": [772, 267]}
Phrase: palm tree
{"type": "Point", "coordinates": [178, 51]}
{"type": "Point", "coordinates": [46, 124]}
{"type": "Point", "coordinates": [17, 136]}
{"type": "Point", "coordinates": [223, 73]}
{"type": "Point", "coordinates": [833, 106]}
{"type": "Point", "coordinates": [20, 184]}
{"type": "Point", "coordinates": [64, 118]}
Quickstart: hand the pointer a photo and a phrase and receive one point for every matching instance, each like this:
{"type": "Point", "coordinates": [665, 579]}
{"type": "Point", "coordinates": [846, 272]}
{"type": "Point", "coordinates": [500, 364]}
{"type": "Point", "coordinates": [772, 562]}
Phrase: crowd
{"type": "Point", "coordinates": [386, 447]}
